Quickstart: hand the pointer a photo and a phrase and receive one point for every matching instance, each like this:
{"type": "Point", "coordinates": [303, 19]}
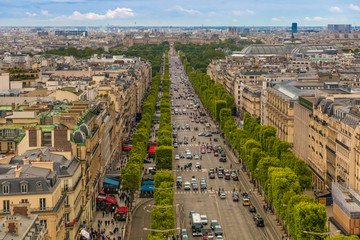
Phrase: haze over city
{"type": "Point", "coordinates": [177, 13]}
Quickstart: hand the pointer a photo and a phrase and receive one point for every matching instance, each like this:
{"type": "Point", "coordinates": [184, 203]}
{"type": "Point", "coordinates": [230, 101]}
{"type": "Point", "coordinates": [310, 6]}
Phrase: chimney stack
{"type": "Point", "coordinates": [17, 171]}
{"type": "Point", "coordinates": [26, 161]}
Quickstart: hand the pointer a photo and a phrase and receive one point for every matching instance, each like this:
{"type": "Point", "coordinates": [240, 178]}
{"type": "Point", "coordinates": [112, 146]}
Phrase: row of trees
{"type": "Point", "coordinates": [282, 175]}
{"type": "Point", "coordinates": [162, 216]}
{"type": "Point", "coordinates": [131, 174]}
{"type": "Point", "coordinates": [164, 150]}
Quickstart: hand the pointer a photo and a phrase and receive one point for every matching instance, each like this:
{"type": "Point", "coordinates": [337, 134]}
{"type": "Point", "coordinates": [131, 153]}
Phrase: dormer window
{"type": "Point", "coordinates": [6, 188]}
{"type": "Point", "coordinates": [24, 187]}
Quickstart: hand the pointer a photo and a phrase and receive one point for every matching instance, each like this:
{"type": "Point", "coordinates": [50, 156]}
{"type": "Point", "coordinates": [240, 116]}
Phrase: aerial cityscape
{"type": "Point", "coordinates": [184, 120]}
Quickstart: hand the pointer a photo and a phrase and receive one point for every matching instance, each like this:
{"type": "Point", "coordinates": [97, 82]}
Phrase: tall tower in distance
{"type": "Point", "coordinates": [294, 27]}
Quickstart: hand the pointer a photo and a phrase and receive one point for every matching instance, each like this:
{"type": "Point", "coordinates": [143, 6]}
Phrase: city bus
{"type": "Point", "coordinates": [196, 224]}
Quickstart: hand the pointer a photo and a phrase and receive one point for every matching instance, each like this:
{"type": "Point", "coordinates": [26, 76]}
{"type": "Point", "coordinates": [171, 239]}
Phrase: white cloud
{"type": "Point", "coordinates": [110, 14]}
{"type": "Point", "coordinates": [354, 7]}
{"type": "Point", "coordinates": [276, 19]}
{"type": "Point", "coordinates": [184, 10]}
{"type": "Point", "coordinates": [45, 12]}
{"type": "Point", "coordinates": [246, 12]}
{"type": "Point", "coordinates": [31, 14]}
{"type": "Point", "coordinates": [315, 19]}
{"type": "Point", "coordinates": [212, 13]}
{"type": "Point", "coordinates": [335, 9]}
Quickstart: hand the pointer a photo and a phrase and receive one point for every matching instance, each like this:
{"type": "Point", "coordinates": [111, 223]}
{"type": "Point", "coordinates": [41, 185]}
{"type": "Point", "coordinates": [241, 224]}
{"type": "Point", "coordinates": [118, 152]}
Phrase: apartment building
{"type": "Point", "coordinates": [21, 224]}
{"type": "Point", "coordinates": [75, 142]}
{"type": "Point", "coordinates": [248, 99]}
{"type": "Point", "coordinates": [38, 186]}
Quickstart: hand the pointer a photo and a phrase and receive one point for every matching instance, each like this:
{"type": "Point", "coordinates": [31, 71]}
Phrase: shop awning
{"type": "Point", "coordinates": [152, 149]}
{"type": "Point", "coordinates": [149, 182]}
{"type": "Point", "coordinates": [110, 199]}
{"type": "Point", "coordinates": [111, 182]}
{"type": "Point", "coordinates": [121, 210]}
{"type": "Point", "coordinates": [147, 188]}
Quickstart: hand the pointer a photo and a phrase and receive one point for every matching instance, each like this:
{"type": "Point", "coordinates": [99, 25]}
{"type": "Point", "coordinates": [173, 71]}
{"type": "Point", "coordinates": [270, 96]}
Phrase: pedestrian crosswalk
{"type": "Point", "coordinates": [183, 192]}
{"type": "Point", "coordinates": [190, 170]}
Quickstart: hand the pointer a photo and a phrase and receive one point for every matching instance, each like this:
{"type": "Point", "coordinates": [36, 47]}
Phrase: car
{"type": "Point", "coordinates": [201, 134]}
{"type": "Point", "coordinates": [204, 220]}
{"type": "Point", "coordinates": [208, 135]}
{"type": "Point", "coordinates": [216, 140]}
{"type": "Point", "coordinates": [187, 126]}
{"type": "Point", "coordinates": [203, 186]}
{"type": "Point", "coordinates": [187, 186]}
{"type": "Point", "coordinates": [220, 175]}
{"type": "Point", "coordinates": [181, 155]}
{"type": "Point", "coordinates": [180, 142]}
{"type": "Point", "coordinates": [235, 178]}
{"type": "Point", "coordinates": [187, 165]}
{"type": "Point", "coordinates": [198, 165]}
{"type": "Point", "coordinates": [215, 132]}
{"type": "Point", "coordinates": [223, 154]}
{"type": "Point", "coordinates": [212, 175]}
{"type": "Point", "coordinates": [176, 145]}
{"type": "Point", "coordinates": [218, 230]}
{"type": "Point", "coordinates": [246, 201]}
{"type": "Point", "coordinates": [191, 213]}
{"type": "Point", "coordinates": [213, 224]}
{"type": "Point", "coordinates": [179, 179]}
{"type": "Point", "coordinates": [235, 197]}
{"type": "Point", "coordinates": [193, 179]}
{"type": "Point", "coordinates": [184, 234]}
{"type": "Point", "coordinates": [222, 159]}
{"type": "Point", "coordinates": [206, 234]}
{"type": "Point", "coordinates": [221, 170]}
{"type": "Point", "coordinates": [203, 150]}
{"type": "Point", "coordinates": [209, 150]}
{"type": "Point", "coordinates": [216, 154]}
{"type": "Point", "coordinates": [219, 237]}
{"type": "Point", "coordinates": [186, 142]}
{"type": "Point", "coordinates": [252, 209]}
{"type": "Point", "coordinates": [259, 221]}
{"type": "Point", "coordinates": [211, 170]}
{"type": "Point", "coordinates": [195, 186]}
{"type": "Point", "coordinates": [196, 156]}
{"type": "Point", "coordinates": [227, 176]}
{"type": "Point", "coordinates": [223, 196]}
{"type": "Point", "coordinates": [177, 157]}
{"type": "Point", "coordinates": [147, 161]}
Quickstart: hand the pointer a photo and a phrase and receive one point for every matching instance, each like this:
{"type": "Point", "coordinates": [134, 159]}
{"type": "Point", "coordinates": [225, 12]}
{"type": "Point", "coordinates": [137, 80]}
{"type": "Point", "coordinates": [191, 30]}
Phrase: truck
{"type": "Point", "coordinates": [196, 225]}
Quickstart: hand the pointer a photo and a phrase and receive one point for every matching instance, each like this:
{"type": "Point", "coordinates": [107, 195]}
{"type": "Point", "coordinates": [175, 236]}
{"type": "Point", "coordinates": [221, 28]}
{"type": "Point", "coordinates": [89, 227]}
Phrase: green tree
{"type": "Point", "coordinates": [130, 179]}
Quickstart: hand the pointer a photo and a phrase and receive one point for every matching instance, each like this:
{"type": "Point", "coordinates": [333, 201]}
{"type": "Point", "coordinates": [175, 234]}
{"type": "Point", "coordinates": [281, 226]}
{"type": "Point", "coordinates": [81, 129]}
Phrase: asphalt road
{"type": "Point", "coordinates": [235, 219]}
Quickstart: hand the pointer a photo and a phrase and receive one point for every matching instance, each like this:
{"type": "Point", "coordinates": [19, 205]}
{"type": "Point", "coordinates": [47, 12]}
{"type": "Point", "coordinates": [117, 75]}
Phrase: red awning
{"type": "Point", "coordinates": [102, 192]}
{"type": "Point", "coordinates": [152, 149]}
{"type": "Point", "coordinates": [110, 200]}
{"type": "Point", "coordinates": [121, 210]}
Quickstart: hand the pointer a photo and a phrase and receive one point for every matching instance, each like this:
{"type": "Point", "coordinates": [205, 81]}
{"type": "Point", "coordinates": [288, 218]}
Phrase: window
{"type": "Point", "coordinates": [43, 222]}
{"type": "Point", "coordinates": [24, 201]}
{"type": "Point", "coordinates": [42, 203]}
{"type": "Point", "coordinates": [66, 185]}
{"type": "Point", "coordinates": [6, 188]}
{"type": "Point", "coordinates": [24, 188]}
{"type": "Point", "coordinates": [6, 205]}
{"type": "Point", "coordinates": [9, 144]}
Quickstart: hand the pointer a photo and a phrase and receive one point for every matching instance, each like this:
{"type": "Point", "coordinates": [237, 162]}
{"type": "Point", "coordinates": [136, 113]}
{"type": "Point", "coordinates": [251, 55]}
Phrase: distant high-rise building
{"type": "Point", "coordinates": [339, 28]}
{"type": "Point", "coordinates": [294, 27]}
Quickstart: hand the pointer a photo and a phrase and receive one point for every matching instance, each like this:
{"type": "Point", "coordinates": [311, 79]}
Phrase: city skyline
{"type": "Point", "coordinates": [171, 13]}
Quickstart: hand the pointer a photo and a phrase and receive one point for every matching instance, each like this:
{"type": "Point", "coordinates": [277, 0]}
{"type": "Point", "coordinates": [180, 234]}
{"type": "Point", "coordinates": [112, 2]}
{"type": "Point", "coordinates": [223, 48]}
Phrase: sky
{"type": "Point", "coordinates": [178, 12]}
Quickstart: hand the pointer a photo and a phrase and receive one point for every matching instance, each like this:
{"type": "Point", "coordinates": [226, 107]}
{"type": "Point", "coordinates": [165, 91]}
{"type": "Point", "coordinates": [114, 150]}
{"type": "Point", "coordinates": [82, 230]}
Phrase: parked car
{"type": "Point", "coordinates": [177, 157]}
{"type": "Point", "coordinates": [198, 165]}
{"type": "Point", "coordinates": [187, 165]}
{"type": "Point", "coordinates": [222, 159]}
{"type": "Point", "coordinates": [187, 186]}
{"type": "Point", "coordinates": [223, 196]}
